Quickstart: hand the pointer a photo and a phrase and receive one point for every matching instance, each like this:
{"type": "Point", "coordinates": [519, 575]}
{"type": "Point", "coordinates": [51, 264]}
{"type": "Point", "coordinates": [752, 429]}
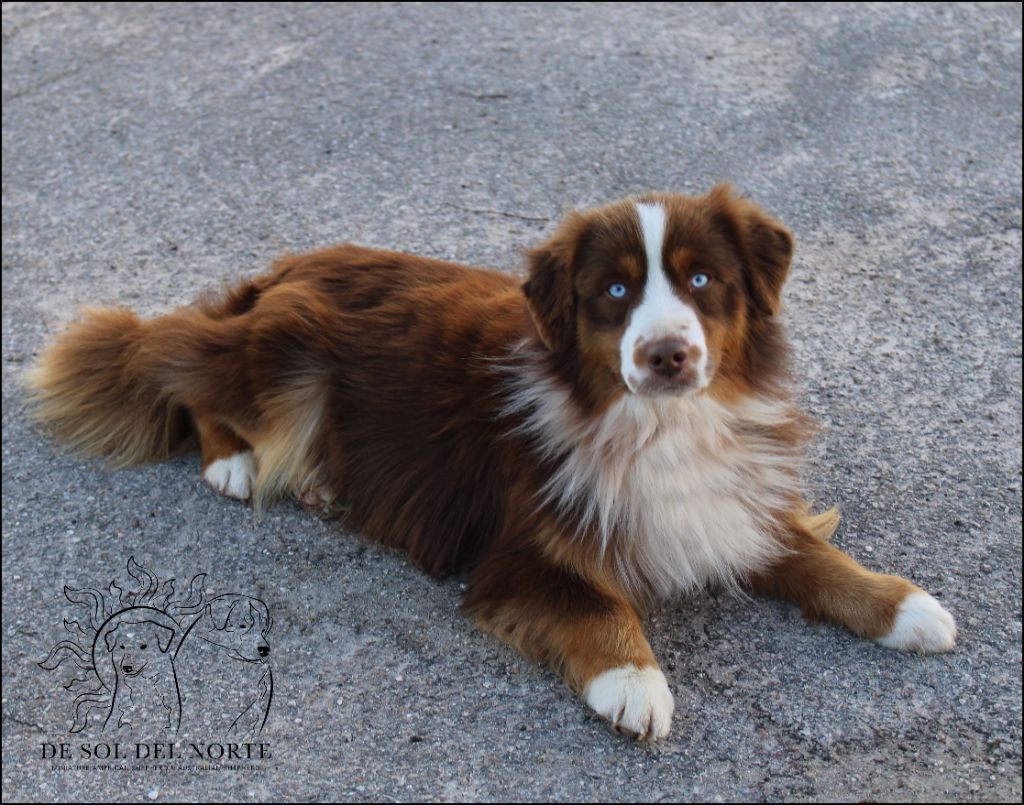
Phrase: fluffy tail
{"type": "Point", "coordinates": [129, 390]}
{"type": "Point", "coordinates": [106, 386]}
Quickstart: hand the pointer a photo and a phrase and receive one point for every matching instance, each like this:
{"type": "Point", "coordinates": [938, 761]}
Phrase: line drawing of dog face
{"type": "Point", "coordinates": [239, 624]}
{"type": "Point", "coordinates": [134, 647]}
{"type": "Point", "coordinates": [147, 693]}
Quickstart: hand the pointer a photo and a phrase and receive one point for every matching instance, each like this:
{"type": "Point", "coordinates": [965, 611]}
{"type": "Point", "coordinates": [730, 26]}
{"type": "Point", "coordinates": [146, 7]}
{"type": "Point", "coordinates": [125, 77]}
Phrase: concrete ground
{"type": "Point", "coordinates": [151, 151]}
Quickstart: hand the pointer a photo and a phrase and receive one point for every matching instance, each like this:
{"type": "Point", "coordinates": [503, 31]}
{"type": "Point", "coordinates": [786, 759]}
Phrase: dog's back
{"type": "Point", "coordinates": [350, 369]}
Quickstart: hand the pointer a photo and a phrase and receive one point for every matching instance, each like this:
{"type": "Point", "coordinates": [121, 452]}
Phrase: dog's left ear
{"type": "Point", "coordinates": [259, 613]}
{"type": "Point", "coordinates": [764, 244]}
{"type": "Point", "coordinates": [111, 639]}
{"type": "Point", "coordinates": [550, 295]}
{"type": "Point", "coordinates": [262, 613]}
{"type": "Point", "coordinates": [164, 636]}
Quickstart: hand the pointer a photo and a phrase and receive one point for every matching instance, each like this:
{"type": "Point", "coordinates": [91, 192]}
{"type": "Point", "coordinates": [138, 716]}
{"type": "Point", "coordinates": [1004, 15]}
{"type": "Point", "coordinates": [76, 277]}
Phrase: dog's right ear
{"type": "Point", "coordinates": [213, 618]}
{"type": "Point", "coordinates": [550, 294]}
{"type": "Point", "coordinates": [219, 611]}
{"type": "Point", "coordinates": [111, 639]}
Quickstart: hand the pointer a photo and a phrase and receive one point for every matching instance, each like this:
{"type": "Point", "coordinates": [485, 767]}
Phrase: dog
{"type": "Point", "coordinates": [616, 430]}
{"type": "Point", "coordinates": [225, 648]}
{"type": "Point", "coordinates": [146, 698]}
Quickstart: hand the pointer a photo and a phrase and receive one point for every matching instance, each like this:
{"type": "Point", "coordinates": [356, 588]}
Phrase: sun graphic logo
{"type": "Point", "coordinates": [148, 662]}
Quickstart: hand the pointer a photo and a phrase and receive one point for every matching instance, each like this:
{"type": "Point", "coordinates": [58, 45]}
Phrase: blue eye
{"type": "Point", "coordinates": [699, 280]}
{"type": "Point", "coordinates": [617, 291]}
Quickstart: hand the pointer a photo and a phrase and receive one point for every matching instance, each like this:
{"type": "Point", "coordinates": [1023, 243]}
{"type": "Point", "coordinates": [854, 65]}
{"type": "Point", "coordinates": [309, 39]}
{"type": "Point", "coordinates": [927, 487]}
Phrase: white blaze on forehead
{"type": "Point", "coordinates": [652, 225]}
{"type": "Point", "coordinates": [660, 313]}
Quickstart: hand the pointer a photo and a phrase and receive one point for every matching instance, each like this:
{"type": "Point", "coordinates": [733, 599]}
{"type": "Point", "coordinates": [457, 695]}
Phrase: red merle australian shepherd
{"type": "Point", "coordinates": [615, 431]}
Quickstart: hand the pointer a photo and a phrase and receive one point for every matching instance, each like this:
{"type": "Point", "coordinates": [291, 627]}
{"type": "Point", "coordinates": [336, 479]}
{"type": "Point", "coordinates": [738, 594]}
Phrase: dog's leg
{"type": "Point", "coordinates": [828, 585]}
{"type": "Point", "coordinates": [588, 633]}
{"type": "Point", "coordinates": [228, 463]}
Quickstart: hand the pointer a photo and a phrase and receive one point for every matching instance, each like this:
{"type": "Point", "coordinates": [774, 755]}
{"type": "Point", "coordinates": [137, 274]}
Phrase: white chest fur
{"type": "Point", "coordinates": [682, 490]}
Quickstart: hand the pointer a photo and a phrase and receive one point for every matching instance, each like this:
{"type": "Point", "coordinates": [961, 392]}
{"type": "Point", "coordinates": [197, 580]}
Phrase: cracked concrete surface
{"type": "Point", "coordinates": [153, 151]}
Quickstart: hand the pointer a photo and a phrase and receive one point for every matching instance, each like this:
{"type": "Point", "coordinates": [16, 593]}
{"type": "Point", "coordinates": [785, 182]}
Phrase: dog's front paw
{"type": "Point", "coordinates": [922, 624]}
{"type": "Point", "coordinates": [636, 700]}
{"type": "Point", "coordinates": [234, 476]}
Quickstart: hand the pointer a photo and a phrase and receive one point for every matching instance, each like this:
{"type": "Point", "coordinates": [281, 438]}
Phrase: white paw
{"type": "Point", "coordinates": [233, 476]}
{"type": "Point", "coordinates": [922, 625]}
{"type": "Point", "coordinates": [635, 700]}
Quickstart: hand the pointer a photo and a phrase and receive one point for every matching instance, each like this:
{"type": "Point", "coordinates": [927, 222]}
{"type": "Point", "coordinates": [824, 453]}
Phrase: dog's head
{"type": "Point", "coordinates": [240, 624]}
{"type": "Point", "coordinates": [135, 646]}
{"type": "Point", "coordinates": [662, 294]}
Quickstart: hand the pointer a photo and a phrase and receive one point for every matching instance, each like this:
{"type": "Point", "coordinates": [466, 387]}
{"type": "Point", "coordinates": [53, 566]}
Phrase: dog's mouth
{"type": "Point", "coordinates": [132, 670]}
{"type": "Point", "coordinates": [676, 386]}
{"type": "Point", "coordinates": [246, 656]}
{"type": "Point", "coordinates": [653, 384]}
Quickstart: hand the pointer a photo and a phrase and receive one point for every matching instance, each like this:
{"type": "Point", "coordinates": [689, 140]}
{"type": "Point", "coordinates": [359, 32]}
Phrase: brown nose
{"type": "Point", "coordinates": [667, 356]}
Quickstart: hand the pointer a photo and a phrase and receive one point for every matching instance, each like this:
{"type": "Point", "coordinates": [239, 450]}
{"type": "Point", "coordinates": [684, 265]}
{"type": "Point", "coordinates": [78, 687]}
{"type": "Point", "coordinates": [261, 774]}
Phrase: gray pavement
{"type": "Point", "coordinates": [152, 151]}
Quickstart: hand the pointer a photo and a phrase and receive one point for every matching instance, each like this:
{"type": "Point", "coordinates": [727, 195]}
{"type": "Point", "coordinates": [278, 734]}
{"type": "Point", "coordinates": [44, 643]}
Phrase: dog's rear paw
{"type": "Point", "coordinates": [922, 625]}
{"type": "Point", "coordinates": [319, 500]}
{"type": "Point", "coordinates": [636, 700]}
{"type": "Point", "coordinates": [234, 476]}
